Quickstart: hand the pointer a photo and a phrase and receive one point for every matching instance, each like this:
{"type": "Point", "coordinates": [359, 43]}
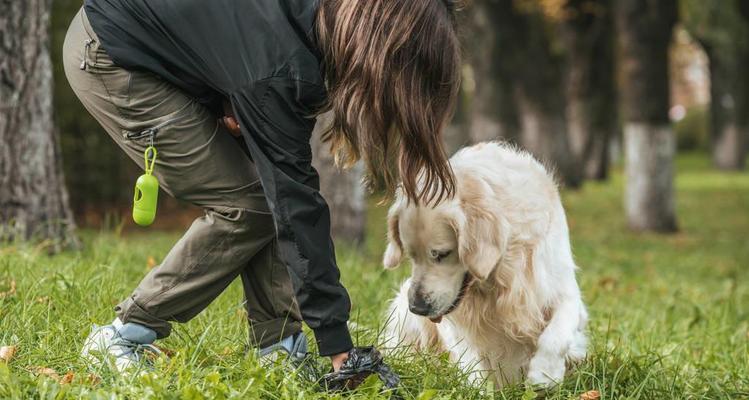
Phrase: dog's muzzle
{"type": "Point", "coordinates": [467, 281]}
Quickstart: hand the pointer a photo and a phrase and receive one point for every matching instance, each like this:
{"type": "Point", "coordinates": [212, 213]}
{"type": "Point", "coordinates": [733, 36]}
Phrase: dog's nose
{"type": "Point", "coordinates": [418, 306]}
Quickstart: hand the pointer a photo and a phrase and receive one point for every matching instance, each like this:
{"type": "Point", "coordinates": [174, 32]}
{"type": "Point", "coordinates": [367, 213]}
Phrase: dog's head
{"type": "Point", "coordinates": [450, 245]}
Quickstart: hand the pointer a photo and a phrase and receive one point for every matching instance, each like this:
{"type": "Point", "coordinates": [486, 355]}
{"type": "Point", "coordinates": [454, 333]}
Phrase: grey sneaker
{"type": "Point", "coordinates": [294, 348]}
{"type": "Point", "coordinates": [125, 346]}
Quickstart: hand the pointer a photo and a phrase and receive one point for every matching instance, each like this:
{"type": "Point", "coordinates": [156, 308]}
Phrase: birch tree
{"type": "Point", "coordinates": [644, 32]}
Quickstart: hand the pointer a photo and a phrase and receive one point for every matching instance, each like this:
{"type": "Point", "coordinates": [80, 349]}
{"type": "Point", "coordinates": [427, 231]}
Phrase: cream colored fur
{"type": "Point", "coordinates": [523, 316]}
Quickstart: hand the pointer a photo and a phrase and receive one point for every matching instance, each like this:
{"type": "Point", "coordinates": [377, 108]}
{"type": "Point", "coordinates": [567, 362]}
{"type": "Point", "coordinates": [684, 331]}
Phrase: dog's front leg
{"type": "Point", "coordinates": [403, 328]}
{"type": "Point", "coordinates": [463, 353]}
{"type": "Point", "coordinates": [562, 338]}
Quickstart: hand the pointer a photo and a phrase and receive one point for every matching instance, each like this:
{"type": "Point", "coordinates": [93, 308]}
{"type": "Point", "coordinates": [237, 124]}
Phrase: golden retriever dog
{"type": "Point", "coordinates": [493, 280]}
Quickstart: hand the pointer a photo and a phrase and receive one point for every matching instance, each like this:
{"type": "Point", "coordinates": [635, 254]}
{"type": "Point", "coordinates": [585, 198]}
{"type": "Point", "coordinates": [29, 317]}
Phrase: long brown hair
{"type": "Point", "coordinates": [393, 71]}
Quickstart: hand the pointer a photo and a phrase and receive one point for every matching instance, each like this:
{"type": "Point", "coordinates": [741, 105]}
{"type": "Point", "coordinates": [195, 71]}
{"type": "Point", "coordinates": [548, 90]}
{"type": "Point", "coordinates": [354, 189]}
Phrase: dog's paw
{"type": "Point", "coordinates": [579, 348]}
{"type": "Point", "coordinates": [545, 370]}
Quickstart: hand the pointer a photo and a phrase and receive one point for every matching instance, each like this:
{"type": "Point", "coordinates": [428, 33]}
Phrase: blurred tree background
{"type": "Point", "coordinates": [723, 34]}
{"type": "Point", "coordinates": [582, 84]}
{"type": "Point", "coordinates": [631, 102]}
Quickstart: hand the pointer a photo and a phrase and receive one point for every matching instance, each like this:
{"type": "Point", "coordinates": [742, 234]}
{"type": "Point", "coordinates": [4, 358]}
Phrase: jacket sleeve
{"type": "Point", "coordinates": [276, 127]}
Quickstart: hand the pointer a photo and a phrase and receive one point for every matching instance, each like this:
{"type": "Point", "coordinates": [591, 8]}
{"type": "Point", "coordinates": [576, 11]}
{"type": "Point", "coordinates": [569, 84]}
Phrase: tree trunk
{"type": "Point", "coordinates": [33, 199]}
{"type": "Point", "coordinates": [588, 35]}
{"type": "Point", "coordinates": [531, 71]}
{"type": "Point", "coordinates": [645, 29]}
{"type": "Point", "coordinates": [649, 200]}
{"type": "Point", "coordinates": [342, 189]}
{"type": "Point", "coordinates": [727, 104]}
{"type": "Point", "coordinates": [493, 113]}
{"type": "Point", "coordinates": [457, 134]}
{"type": "Point", "coordinates": [744, 119]}
{"type": "Point", "coordinates": [722, 29]}
{"type": "Point", "coordinates": [545, 133]}
{"type": "Point", "coordinates": [744, 10]}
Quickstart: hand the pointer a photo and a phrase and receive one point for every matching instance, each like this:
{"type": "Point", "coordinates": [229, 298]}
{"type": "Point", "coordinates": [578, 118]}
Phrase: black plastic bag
{"type": "Point", "coordinates": [361, 363]}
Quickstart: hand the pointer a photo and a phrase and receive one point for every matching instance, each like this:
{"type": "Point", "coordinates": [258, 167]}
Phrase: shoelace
{"type": "Point", "coordinates": [137, 349]}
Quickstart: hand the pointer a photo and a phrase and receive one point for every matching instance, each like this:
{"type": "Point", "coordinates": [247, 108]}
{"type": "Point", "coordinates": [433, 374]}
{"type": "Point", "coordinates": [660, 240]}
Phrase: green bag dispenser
{"type": "Point", "coordinates": [146, 192]}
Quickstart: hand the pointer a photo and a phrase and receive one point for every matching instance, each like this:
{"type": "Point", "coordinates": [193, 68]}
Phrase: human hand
{"type": "Point", "coordinates": [231, 125]}
{"type": "Point", "coordinates": [357, 365]}
{"type": "Point", "coordinates": [338, 360]}
{"type": "Point", "coordinates": [229, 121]}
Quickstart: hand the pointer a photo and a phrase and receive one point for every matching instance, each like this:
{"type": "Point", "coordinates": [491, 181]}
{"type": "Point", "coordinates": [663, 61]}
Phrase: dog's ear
{"type": "Point", "coordinates": [394, 251]}
{"type": "Point", "coordinates": [482, 235]}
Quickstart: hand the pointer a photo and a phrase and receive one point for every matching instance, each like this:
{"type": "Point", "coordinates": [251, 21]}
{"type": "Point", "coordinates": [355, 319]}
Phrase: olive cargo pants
{"type": "Point", "coordinates": [199, 162]}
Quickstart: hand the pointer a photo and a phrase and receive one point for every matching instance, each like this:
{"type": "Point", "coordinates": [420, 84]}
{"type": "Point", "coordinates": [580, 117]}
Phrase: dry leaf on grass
{"type": "Point", "coordinates": [150, 262]}
{"type": "Point", "coordinates": [46, 371]}
{"type": "Point", "coordinates": [67, 378]}
{"type": "Point", "coordinates": [51, 373]}
{"type": "Point", "coordinates": [7, 353]}
{"type": "Point", "coordinates": [167, 352]}
{"type": "Point", "coordinates": [608, 283]}
{"type": "Point", "coordinates": [11, 291]}
{"type": "Point", "coordinates": [590, 395]}
{"type": "Point", "coordinates": [93, 379]}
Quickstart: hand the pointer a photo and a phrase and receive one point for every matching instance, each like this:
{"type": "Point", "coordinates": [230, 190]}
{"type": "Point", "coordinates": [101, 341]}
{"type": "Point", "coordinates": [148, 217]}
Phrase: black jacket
{"type": "Point", "coordinates": [260, 55]}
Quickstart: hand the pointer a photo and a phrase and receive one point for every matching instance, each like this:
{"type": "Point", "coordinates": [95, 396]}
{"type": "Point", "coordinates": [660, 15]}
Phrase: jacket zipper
{"type": "Point", "coordinates": [87, 46]}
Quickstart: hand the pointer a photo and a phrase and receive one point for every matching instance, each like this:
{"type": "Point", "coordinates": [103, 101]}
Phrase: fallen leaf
{"type": "Point", "coordinates": [227, 351]}
{"type": "Point", "coordinates": [150, 262]}
{"type": "Point", "coordinates": [11, 291]}
{"type": "Point", "coordinates": [42, 300]}
{"type": "Point", "coordinates": [590, 395]}
{"type": "Point", "coordinates": [46, 371]}
{"type": "Point", "coordinates": [167, 352]}
{"type": "Point", "coordinates": [608, 283]}
{"type": "Point", "coordinates": [7, 353]}
{"type": "Point", "coordinates": [93, 379]}
{"type": "Point", "coordinates": [68, 378]}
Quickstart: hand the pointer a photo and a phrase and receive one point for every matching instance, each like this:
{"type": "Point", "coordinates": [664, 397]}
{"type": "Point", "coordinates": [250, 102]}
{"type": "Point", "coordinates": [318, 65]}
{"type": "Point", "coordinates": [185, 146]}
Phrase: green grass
{"type": "Point", "coordinates": [669, 314]}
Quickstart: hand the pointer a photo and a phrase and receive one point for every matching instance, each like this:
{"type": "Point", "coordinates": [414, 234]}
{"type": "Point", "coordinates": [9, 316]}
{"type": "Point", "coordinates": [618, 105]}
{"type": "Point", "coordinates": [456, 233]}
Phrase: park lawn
{"type": "Point", "coordinates": [669, 314]}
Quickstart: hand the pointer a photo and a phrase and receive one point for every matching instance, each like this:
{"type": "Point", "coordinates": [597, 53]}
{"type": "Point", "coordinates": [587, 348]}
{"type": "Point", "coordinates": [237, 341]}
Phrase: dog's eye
{"type": "Point", "coordinates": [440, 255]}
